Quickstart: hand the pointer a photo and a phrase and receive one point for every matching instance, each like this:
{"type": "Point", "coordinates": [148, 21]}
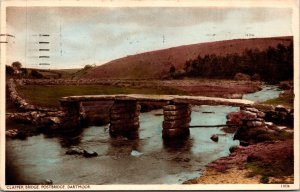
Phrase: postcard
{"type": "Point", "coordinates": [143, 95]}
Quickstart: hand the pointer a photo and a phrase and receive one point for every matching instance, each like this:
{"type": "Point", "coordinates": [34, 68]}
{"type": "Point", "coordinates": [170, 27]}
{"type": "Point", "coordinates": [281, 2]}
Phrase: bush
{"type": "Point", "coordinates": [241, 77]}
{"type": "Point", "coordinates": [172, 69]}
{"type": "Point", "coordinates": [24, 71]}
{"type": "Point", "coordinates": [87, 67]}
{"type": "Point", "coordinates": [271, 65]}
{"type": "Point", "coordinates": [255, 77]}
{"type": "Point", "coordinates": [9, 70]}
{"type": "Point", "coordinates": [36, 74]}
{"type": "Point", "coordinates": [17, 65]}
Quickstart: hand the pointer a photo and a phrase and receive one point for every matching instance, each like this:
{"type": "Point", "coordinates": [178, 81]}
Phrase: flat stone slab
{"type": "Point", "coordinates": [195, 100]}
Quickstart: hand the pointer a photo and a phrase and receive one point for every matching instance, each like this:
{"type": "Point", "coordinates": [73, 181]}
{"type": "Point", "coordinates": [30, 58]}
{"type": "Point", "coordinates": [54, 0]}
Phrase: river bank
{"type": "Point", "coordinates": [267, 162]}
{"type": "Point", "coordinates": [47, 92]}
{"type": "Point", "coordinates": [146, 160]}
{"type": "Point", "coordinates": [157, 162]}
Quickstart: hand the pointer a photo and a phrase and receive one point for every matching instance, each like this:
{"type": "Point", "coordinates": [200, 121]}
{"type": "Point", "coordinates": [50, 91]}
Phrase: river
{"type": "Point", "coordinates": [147, 160]}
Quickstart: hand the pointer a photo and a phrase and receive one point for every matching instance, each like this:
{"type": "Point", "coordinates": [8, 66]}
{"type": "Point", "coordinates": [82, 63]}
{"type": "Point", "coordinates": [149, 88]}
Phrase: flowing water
{"type": "Point", "coordinates": [267, 92]}
{"type": "Point", "coordinates": [146, 160]}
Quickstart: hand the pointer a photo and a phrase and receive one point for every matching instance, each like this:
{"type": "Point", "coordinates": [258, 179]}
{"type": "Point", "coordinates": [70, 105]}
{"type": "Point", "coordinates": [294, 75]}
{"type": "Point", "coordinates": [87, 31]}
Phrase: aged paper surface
{"type": "Point", "coordinates": [122, 95]}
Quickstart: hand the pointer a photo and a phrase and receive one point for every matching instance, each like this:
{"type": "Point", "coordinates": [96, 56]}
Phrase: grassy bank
{"type": "Point", "coordinates": [286, 99]}
{"type": "Point", "coordinates": [48, 96]}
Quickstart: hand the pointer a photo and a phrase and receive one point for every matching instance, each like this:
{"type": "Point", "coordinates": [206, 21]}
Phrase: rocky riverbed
{"type": "Point", "coordinates": [265, 154]}
{"type": "Point", "coordinates": [266, 162]}
{"type": "Point", "coordinates": [146, 160]}
{"type": "Point", "coordinates": [168, 163]}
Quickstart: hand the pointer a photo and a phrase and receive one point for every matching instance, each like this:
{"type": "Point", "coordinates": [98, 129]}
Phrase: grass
{"type": "Point", "coordinates": [55, 73]}
{"type": "Point", "coordinates": [274, 169]}
{"type": "Point", "coordinates": [286, 100]}
{"type": "Point", "coordinates": [283, 135]}
{"type": "Point", "coordinates": [274, 161]}
{"type": "Point", "coordinates": [48, 96]}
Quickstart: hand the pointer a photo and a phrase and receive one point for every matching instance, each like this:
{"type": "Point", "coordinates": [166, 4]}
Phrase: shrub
{"type": "Point", "coordinates": [17, 65]}
{"type": "Point", "coordinates": [9, 70]}
{"type": "Point", "coordinates": [35, 74]}
{"type": "Point", "coordinates": [241, 77]}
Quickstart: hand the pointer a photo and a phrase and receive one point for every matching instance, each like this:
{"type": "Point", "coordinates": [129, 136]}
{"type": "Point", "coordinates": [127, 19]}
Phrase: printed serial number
{"type": "Point", "coordinates": [285, 186]}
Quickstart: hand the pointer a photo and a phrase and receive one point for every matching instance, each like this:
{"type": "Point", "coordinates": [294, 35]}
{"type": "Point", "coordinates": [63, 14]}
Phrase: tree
{"type": "Point", "coordinates": [24, 71]}
{"type": "Point", "coordinates": [272, 64]}
{"type": "Point", "coordinates": [187, 66]}
{"type": "Point", "coordinates": [87, 67]}
{"type": "Point", "coordinates": [16, 65]}
{"type": "Point", "coordinates": [36, 74]}
{"type": "Point", "coordinates": [9, 70]}
{"type": "Point", "coordinates": [172, 69]}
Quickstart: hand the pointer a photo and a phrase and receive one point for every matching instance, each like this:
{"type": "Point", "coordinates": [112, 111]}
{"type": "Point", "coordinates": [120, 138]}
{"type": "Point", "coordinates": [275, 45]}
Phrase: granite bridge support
{"type": "Point", "coordinates": [125, 110]}
{"type": "Point", "coordinates": [177, 117]}
{"type": "Point", "coordinates": [124, 118]}
{"type": "Point", "coordinates": [71, 119]}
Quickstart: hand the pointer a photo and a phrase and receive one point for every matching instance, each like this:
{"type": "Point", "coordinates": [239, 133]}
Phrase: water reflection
{"type": "Point", "coordinates": [72, 138]}
{"type": "Point", "coordinates": [122, 147]}
{"type": "Point", "coordinates": [178, 145]}
{"type": "Point", "coordinates": [148, 159]}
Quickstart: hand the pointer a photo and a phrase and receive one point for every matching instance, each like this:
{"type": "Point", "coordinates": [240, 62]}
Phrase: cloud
{"type": "Point", "coordinates": [82, 36]}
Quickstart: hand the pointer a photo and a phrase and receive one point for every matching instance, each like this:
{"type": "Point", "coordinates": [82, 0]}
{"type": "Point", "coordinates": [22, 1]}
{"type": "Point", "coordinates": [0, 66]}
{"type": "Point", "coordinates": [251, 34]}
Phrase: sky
{"type": "Point", "coordinates": [86, 35]}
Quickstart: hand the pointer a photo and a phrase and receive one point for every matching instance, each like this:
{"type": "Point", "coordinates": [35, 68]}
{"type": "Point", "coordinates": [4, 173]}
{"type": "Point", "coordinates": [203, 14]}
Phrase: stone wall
{"type": "Point", "coordinates": [18, 101]}
{"type": "Point", "coordinates": [47, 122]}
{"type": "Point", "coordinates": [114, 82]}
{"type": "Point", "coordinates": [38, 117]}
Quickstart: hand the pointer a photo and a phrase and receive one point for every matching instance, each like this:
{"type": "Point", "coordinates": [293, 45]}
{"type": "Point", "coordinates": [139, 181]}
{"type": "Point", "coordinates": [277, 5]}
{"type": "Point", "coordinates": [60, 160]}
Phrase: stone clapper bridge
{"type": "Point", "coordinates": [125, 110]}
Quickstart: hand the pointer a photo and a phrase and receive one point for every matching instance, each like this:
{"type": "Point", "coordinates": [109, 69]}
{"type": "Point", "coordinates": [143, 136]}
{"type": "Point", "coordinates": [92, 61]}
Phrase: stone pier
{"type": "Point", "coordinates": [177, 119]}
{"type": "Point", "coordinates": [71, 110]}
{"type": "Point", "coordinates": [124, 111]}
{"type": "Point", "coordinates": [124, 118]}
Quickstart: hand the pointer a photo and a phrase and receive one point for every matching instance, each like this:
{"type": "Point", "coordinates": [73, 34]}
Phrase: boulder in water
{"type": "Point", "coordinates": [88, 154]}
{"type": "Point", "coordinates": [75, 151]}
{"type": "Point", "coordinates": [233, 148]}
{"type": "Point", "coordinates": [48, 182]}
{"type": "Point", "coordinates": [11, 133]}
{"type": "Point", "coordinates": [135, 153]}
{"type": "Point", "coordinates": [215, 138]}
